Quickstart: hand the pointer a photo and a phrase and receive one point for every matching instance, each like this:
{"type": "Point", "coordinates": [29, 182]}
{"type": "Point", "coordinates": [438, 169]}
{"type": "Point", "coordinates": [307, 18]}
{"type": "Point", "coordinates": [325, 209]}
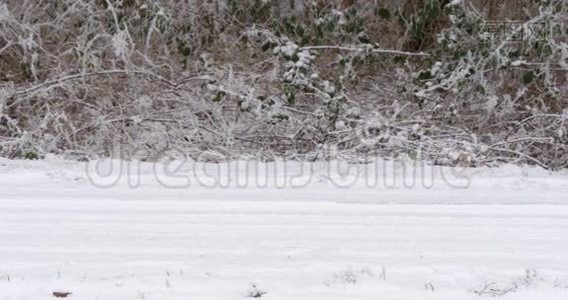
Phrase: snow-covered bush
{"type": "Point", "coordinates": [430, 80]}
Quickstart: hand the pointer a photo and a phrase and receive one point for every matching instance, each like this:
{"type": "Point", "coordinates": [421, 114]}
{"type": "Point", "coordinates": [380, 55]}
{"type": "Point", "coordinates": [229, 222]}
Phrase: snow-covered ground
{"type": "Point", "coordinates": [503, 235]}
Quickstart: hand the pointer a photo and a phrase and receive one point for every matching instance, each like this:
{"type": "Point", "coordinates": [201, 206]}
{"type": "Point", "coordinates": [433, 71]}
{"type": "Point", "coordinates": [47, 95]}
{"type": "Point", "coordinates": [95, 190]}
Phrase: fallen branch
{"type": "Point", "coordinates": [383, 51]}
{"type": "Point", "coordinates": [91, 74]}
{"type": "Point", "coordinates": [528, 157]}
{"type": "Point", "coordinates": [100, 73]}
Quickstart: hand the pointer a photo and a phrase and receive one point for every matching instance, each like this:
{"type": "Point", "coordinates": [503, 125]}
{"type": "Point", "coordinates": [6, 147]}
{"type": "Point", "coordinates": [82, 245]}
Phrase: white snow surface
{"type": "Point", "coordinates": [504, 235]}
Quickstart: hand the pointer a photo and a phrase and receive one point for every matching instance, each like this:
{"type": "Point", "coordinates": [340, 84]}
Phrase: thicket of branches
{"type": "Point", "coordinates": [451, 82]}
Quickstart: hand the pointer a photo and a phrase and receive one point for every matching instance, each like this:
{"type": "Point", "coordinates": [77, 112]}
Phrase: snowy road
{"type": "Point", "coordinates": [60, 234]}
{"type": "Point", "coordinates": [216, 250]}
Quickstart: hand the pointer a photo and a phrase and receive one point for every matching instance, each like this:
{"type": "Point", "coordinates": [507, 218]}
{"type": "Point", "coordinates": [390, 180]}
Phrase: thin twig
{"type": "Point", "coordinates": [8, 45]}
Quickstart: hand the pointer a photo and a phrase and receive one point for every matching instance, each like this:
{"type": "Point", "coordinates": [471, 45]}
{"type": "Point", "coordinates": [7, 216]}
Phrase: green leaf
{"type": "Point", "coordinates": [219, 96]}
{"type": "Point", "coordinates": [30, 155]}
{"type": "Point", "coordinates": [266, 46]}
{"type": "Point", "coordinates": [425, 75]}
{"type": "Point", "coordinates": [528, 77]}
{"type": "Point", "coordinates": [384, 13]}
